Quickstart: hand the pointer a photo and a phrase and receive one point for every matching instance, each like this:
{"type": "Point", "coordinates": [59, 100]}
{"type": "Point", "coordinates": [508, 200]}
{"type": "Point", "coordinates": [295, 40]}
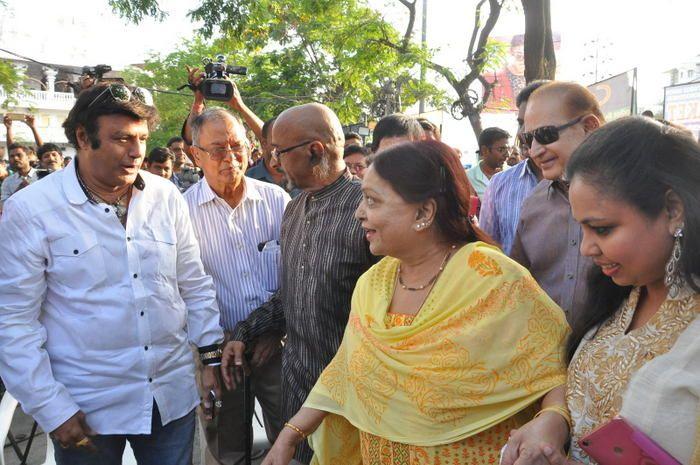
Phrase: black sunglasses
{"type": "Point", "coordinates": [122, 93]}
{"type": "Point", "coordinates": [546, 134]}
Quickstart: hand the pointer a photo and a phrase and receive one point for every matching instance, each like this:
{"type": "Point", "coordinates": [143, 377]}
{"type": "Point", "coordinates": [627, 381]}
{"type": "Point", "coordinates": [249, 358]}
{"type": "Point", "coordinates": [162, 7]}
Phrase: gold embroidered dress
{"type": "Point", "coordinates": [608, 359]}
{"type": "Point", "coordinates": [447, 386]}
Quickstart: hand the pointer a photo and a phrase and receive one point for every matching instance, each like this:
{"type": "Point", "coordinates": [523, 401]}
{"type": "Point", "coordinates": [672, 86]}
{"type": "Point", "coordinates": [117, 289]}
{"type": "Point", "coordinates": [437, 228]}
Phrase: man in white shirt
{"type": "Point", "coordinates": [23, 174]}
{"type": "Point", "coordinates": [237, 221]}
{"type": "Point", "coordinates": [103, 293]}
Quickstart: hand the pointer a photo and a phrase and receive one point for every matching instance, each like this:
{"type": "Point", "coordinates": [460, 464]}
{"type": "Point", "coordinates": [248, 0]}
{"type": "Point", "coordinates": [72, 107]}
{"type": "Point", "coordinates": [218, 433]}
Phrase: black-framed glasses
{"type": "Point", "coordinates": [122, 93]}
{"type": "Point", "coordinates": [219, 153]}
{"type": "Point", "coordinates": [546, 134]}
{"type": "Point", "coordinates": [277, 152]}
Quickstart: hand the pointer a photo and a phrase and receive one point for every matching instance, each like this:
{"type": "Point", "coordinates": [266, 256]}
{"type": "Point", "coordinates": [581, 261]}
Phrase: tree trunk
{"type": "Point", "coordinates": [540, 60]}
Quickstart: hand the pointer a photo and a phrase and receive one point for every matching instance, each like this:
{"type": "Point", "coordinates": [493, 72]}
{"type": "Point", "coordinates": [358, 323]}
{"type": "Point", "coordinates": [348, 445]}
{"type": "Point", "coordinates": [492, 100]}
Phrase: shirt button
{"type": "Point", "coordinates": [136, 275]}
{"type": "Point", "coordinates": [141, 313]}
{"type": "Point", "coordinates": [106, 210]}
{"type": "Point", "coordinates": [128, 239]}
{"type": "Point", "coordinates": [302, 267]}
{"type": "Point", "coordinates": [308, 222]}
{"type": "Point", "coordinates": [150, 380]}
{"type": "Point", "coordinates": [574, 242]}
{"type": "Point", "coordinates": [304, 245]}
{"type": "Point", "coordinates": [570, 276]}
{"type": "Point", "coordinates": [246, 274]}
{"type": "Point", "coordinates": [145, 347]}
{"type": "Point", "coordinates": [75, 252]}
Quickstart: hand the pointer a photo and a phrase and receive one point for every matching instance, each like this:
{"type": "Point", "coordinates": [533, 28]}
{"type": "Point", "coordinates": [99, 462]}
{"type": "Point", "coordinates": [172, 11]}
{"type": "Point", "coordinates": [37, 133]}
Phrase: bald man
{"type": "Point", "coordinates": [324, 252]}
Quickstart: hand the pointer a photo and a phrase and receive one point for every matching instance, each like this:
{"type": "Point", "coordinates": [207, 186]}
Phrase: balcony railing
{"type": "Point", "coordinates": [41, 99]}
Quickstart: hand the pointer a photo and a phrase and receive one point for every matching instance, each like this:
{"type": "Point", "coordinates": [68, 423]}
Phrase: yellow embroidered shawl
{"type": "Point", "coordinates": [487, 343]}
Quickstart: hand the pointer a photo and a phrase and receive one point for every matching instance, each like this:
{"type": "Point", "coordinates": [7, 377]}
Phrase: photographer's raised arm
{"type": "Point", "coordinates": [194, 77]}
{"type": "Point", "coordinates": [250, 118]}
{"type": "Point", "coordinates": [29, 120]}
{"type": "Point", "coordinates": [7, 121]}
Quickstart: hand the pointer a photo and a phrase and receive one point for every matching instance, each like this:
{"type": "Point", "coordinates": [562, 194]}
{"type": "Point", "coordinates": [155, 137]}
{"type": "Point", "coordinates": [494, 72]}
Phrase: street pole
{"type": "Point", "coordinates": [424, 45]}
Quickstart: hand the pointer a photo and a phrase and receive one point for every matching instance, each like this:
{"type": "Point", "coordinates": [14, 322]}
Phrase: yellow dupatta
{"type": "Point", "coordinates": [487, 343]}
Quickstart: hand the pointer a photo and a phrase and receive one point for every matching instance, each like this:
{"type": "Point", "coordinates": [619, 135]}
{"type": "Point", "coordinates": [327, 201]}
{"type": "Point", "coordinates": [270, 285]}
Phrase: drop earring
{"type": "Point", "coordinates": [673, 280]}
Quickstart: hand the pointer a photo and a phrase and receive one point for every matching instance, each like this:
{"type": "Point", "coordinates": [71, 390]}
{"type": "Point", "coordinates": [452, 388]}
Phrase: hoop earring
{"type": "Point", "coordinates": [673, 280]}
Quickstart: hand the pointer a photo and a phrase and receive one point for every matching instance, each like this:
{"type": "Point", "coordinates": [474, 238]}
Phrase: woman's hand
{"type": "Point", "coordinates": [524, 445]}
{"type": "Point", "coordinates": [556, 457]}
{"type": "Point", "coordinates": [283, 449]}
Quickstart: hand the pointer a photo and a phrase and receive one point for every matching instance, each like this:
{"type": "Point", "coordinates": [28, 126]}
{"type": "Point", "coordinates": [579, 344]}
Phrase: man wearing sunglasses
{"type": "Point", "coordinates": [503, 199]}
{"type": "Point", "coordinates": [237, 222]}
{"type": "Point", "coordinates": [558, 118]}
{"type": "Point", "coordinates": [324, 252]}
{"type": "Point", "coordinates": [108, 294]}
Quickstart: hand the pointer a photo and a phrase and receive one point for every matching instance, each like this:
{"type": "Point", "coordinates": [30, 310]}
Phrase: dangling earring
{"type": "Point", "coordinates": [673, 280]}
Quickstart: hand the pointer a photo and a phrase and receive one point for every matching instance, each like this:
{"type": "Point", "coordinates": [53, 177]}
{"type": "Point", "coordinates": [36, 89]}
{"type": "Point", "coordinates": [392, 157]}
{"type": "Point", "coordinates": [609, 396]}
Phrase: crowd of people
{"type": "Point", "coordinates": [383, 304]}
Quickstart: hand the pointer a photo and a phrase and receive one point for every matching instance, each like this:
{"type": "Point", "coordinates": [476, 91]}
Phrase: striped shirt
{"type": "Point", "coordinates": [324, 252]}
{"type": "Point", "coordinates": [502, 202]}
{"type": "Point", "coordinates": [239, 246]}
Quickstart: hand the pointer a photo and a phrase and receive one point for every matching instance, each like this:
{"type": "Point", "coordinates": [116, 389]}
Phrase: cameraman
{"type": "Point", "coordinates": [195, 78]}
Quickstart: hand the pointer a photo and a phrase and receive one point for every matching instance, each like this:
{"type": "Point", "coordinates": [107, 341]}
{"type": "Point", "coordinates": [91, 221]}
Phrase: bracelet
{"type": "Point", "coordinates": [561, 410]}
{"type": "Point", "coordinates": [295, 428]}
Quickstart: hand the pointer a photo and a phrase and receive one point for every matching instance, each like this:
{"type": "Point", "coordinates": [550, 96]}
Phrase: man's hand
{"type": "Point", "coordinates": [74, 432]}
{"type": "Point", "coordinates": [233, 364]}
{"type": "Point", "coordinates": [7, 121]}
{"type": "Point", "coordinates": [212, 391]}
{"type": "Point", "coordinates": [265, 348]}
{"type": "Point", "coordinates": [195, 78]}
{"type": "Point", "coordinates": [29, 120]}
{"type": "Point", "coordinates": [236, 101]}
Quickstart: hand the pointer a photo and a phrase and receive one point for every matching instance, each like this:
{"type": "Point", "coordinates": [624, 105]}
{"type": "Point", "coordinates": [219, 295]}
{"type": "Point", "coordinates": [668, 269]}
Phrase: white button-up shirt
{"type": "Point", "coordinates": [240, 246]}
{"type": "Point", "coordinates": [97, 317]}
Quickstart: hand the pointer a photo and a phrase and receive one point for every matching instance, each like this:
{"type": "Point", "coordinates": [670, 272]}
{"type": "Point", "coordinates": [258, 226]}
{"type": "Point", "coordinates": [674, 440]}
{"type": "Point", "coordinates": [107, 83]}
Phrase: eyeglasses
{"type": "Point", "coordinates": [122, 93]}
{"type": "Point", "coordinates": [219, 153]}
{"type": "Point", "coordinates": [546, 134]}
{"type": "Point", "coordinates": [356, 166]}
{"type": "Point", "coordinates": [277, 152]}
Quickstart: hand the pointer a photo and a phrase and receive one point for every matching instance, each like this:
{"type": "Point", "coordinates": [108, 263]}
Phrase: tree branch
{"type": "Point", "coordinates": [477, 25]}
{"type": "Point", "coordinates": [411, 5]}
{"type": "Point", "coordinates": [477, 60]}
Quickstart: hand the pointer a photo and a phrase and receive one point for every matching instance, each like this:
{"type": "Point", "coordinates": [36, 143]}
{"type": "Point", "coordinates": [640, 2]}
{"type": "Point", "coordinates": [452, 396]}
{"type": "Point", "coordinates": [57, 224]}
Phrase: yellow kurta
{"type": "Point", "coordinates": [486, 345]}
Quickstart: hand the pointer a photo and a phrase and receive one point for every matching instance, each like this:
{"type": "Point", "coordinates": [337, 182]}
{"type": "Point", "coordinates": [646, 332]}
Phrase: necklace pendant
{"type": "Point", "coordinates": [120, 210]}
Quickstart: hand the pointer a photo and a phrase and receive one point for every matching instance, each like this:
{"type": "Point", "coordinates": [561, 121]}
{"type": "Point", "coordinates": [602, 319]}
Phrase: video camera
{"type": "Point", "coordinates": [215, 86]}
{"type": "Point", "coordinates": [97, 71]}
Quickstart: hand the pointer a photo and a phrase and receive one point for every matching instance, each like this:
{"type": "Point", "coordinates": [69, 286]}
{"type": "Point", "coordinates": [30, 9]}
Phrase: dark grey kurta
{"type": "Point", "coordinates": [324, 252]}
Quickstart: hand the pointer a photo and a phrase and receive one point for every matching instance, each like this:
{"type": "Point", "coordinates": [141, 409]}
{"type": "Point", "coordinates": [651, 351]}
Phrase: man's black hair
{"type": "Point", "coordinates": [173, 140]}
{"type": "Point", "coordinates": [161, 155]}
{"type": "Point", "coordinates": [16, 145]}
{"type": "Point", "coordinates": [490, 135]}
{"type": "Point", "coordinates": [48, 147]}
{"type": "Point", "coordinates": [396, 125]}
{"type": "Point", "coordinates": [524, 95]}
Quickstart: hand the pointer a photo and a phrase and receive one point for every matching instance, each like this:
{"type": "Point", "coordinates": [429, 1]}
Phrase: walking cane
{"type": "Point", "coordinates": [246, 414]}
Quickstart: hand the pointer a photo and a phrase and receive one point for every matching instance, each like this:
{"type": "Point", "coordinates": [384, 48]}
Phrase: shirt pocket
{"type": "Point", "coordinates": [165, 244]}
{"type": "Point", "coordinates": [270, 266]}
{"type": "Point", "coordinates": [77, 261]}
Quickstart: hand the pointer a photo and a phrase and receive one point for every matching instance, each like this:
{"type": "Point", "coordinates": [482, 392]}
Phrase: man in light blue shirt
{"type": "Point", "coordinates": [503, 199]}
{"type": "Point", "coordinates": [237, 222]}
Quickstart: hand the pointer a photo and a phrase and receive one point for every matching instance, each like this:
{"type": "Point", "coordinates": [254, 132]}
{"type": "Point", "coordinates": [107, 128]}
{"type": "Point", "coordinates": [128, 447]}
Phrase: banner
{"type": "Point", "coordinates": [682, 106]}
{"type": "Point", "coordinates": [616, 95]}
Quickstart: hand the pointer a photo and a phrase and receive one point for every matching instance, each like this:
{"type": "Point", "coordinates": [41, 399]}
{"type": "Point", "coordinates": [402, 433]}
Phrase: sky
{"type": "Point", "coordinates": [650, 35]}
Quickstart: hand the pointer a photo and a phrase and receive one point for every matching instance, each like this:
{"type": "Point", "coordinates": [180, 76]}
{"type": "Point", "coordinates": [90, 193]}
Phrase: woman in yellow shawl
{"type": "Point", "coordinates": [449, 345]}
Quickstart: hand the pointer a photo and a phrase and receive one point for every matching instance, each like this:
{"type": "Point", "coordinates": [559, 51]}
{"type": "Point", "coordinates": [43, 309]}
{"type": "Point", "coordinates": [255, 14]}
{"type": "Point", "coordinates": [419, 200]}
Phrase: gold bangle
{"type": "Point", "coordinates": [295, 428]}
{"type": "Point", "coordinates": [561, 410]}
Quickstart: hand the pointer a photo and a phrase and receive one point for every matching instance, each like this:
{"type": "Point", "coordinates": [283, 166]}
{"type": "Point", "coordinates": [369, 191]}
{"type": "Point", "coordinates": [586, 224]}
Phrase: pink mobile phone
{"type": "Point", "coordinates": [620, 443]}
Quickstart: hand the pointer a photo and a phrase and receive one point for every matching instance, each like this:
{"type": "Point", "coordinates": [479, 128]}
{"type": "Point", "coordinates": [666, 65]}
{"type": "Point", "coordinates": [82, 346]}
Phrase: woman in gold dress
{"type": "Point", "coordinates": [450, 344]}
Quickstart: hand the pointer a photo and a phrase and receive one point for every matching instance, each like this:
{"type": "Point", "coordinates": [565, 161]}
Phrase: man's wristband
{"type": "Point", "coordinates": [210, 355]}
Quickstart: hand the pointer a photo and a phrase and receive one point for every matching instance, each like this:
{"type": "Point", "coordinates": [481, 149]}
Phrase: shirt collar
{"type": "Point", "coordinates": [526, 169]}
{"type": "Point", "coordinates": [334, 187]}
{"type": "Point", "coordinates": [559, 186]}
{"type": "Point", "coordinates": [207, 194]}
{"type": "Point", "coordinates": [75, 192]}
